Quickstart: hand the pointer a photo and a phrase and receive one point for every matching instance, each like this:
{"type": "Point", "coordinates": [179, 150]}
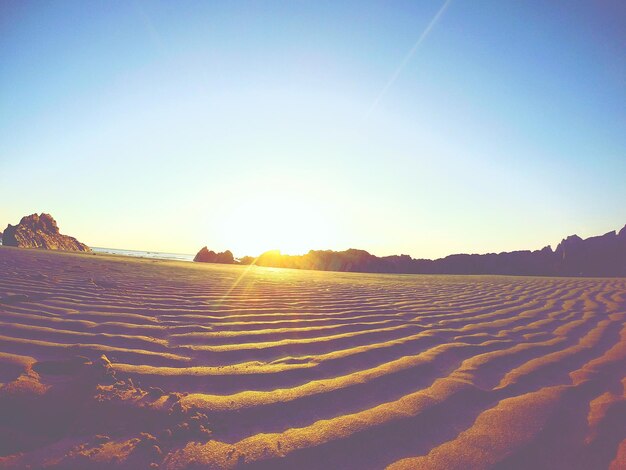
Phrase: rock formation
{"type": "Point", "coordinates": [596, 256]}
{"type": "Point", "coordinates": [208, 256]}
{"type": "Point", "coordinates": [40, 231]}
{"type": "Point", "coordinates": [604, 255]}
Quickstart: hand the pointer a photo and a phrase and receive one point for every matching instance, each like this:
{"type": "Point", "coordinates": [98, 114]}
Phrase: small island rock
{"type": "Point", "coordinates": [209, 256]}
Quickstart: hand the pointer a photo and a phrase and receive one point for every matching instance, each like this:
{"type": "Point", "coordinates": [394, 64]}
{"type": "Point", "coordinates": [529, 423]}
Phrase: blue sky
{"type": "Point", "coordinates": [261, 125]}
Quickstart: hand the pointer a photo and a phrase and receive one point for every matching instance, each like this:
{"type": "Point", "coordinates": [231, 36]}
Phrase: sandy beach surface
{"type": "Point", "coordinates": [111, 362]}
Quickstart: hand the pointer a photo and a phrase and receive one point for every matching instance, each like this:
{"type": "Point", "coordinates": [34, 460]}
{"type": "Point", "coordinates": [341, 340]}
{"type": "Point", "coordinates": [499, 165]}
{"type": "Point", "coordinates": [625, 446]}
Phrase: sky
{"type": "Point", "coordinates": [420, 127]}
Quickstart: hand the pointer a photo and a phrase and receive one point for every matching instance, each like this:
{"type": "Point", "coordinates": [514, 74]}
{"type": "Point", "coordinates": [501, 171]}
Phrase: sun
{"type": "Point", "coordinates": [286, 219]}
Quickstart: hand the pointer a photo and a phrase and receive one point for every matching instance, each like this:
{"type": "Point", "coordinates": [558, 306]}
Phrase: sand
{"type": "Point", "coordinates": [111, 362]}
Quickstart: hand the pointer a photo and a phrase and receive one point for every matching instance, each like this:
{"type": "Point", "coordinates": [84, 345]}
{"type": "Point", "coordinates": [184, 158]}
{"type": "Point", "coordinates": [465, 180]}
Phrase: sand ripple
{"type": "Point", "coordinates": [212, 366]}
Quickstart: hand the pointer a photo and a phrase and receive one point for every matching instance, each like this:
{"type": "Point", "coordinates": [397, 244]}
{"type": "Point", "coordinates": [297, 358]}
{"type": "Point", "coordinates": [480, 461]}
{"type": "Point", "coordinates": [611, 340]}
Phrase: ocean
{"type": "Point", "coordinates": [145, 254]}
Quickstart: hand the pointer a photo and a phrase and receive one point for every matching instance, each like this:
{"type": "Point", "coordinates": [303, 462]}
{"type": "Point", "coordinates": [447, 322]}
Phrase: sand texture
{"type": "Point", "coordinates": [109, 362]}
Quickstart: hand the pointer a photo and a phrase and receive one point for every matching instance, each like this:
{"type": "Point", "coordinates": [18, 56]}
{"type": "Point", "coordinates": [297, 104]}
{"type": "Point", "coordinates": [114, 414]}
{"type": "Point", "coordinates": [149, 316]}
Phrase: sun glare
{"type": "Point", "coordinates": [290, 221]}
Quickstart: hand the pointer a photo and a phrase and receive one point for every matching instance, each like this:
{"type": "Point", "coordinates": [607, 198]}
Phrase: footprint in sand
{"type": "Point", "coordinates": [71, 366]}
{"type": "Point", "coordinates": [13, 299]}
{"type": "Point", "coordinates": [10, 299]}
{"type": "Point", "coordinates": [102, 283]}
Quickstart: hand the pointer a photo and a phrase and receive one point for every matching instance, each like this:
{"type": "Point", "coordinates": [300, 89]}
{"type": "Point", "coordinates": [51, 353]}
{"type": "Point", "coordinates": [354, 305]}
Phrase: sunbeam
{"type": "Point", "coordinates": [407, 58]}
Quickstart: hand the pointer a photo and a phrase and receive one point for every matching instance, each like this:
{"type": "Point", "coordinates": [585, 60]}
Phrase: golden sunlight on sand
{"type": "Point", "coordinates": [109, 362]}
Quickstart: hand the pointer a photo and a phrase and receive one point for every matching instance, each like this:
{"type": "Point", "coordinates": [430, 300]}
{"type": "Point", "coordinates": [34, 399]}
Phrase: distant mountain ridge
{"type": "Point", "coordinates": [603, 255]}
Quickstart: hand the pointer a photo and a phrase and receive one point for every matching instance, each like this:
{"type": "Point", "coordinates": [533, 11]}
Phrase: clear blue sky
{"type": "Point", "coordinates": [296, 125]}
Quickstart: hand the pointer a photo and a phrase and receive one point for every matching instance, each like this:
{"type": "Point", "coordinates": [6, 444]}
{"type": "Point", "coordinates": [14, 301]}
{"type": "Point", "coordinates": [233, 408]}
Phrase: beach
{"type": "Point", "coordinates": [118, 362]}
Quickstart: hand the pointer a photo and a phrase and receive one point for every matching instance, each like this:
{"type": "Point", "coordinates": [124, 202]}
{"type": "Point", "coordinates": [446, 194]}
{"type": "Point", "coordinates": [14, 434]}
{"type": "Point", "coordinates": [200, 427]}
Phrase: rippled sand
{"type": "Point", "coordinates": [227, 366]}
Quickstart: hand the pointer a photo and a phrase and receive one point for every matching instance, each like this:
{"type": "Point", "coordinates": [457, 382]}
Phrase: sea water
{"type": "Point", "coordinates": [144, 254]}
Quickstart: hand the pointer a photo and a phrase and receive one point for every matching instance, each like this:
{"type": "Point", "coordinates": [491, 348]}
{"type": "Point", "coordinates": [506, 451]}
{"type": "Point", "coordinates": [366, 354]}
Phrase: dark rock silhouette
{"type": "Point", "coordinates": [208, 256]}
{"type": "Point", "coordinates": [40, 231]}
{"type": "Point", "coordinates": [596, 256]}
{"type": "Point", "coordinates": [604, 255]}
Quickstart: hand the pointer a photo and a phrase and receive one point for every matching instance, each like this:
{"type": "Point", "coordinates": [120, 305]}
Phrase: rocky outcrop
{"type": "Point", "coordinates": [596, 256]}
{"type": "Point", "coordinates": [538, 262]}
{"type": "Point", "coordinates": [40, 231]}
{"type": "Point", "coordinates": [208, 256]}
{"type": "Point", "coordinates": [604, 255]}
